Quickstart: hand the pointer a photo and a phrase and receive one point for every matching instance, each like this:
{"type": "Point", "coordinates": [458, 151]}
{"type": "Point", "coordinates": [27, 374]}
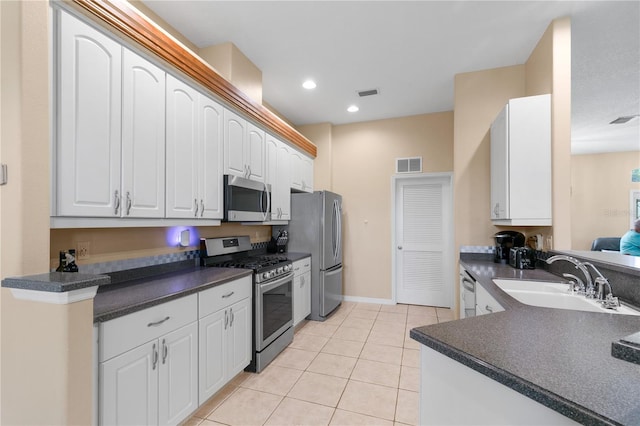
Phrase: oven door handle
{"type": "Point", "coordinates": [273, 284]}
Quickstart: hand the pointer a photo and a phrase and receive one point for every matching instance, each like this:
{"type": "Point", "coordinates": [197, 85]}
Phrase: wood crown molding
{"type": "Point", "coordinates": [123, 18]}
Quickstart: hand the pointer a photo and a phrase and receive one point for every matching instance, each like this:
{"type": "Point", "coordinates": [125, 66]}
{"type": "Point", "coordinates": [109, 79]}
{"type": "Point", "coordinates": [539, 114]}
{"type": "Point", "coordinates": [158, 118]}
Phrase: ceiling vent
{"type": "Point", "coordinates": [409, 165]}
{"type": "Point", "coordinates": [370, 92]}
{"type": "Point", "coordinates": [624, 119]}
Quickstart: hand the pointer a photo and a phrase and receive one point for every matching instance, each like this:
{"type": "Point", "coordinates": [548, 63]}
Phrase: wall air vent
{"type": "Point", "coordinates": [624, 119]}
{"type": "Point", "coordinates": [409, 165]}
{"type": "Point", "coordinates": [370, 92]}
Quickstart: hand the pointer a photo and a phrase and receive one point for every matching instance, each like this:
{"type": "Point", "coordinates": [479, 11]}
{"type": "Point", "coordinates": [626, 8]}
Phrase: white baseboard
{"type": "Point", "coordinates": [359, 299]}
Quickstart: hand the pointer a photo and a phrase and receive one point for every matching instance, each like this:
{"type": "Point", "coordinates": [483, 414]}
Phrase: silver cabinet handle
{"type": "Point", "coordinates": [154, 357]}
{"type": "Point", "coordinates": [488, 308]}
{"type": "Point", "coordinates": [224, 296]}
{"type": "Point", "coordinates": [128, 203]}
{"type": "Point", "coordinates": [157, 323]}
{"type": "Point", "coordinates": [116, 202]}
{"type": "Point", "coordinates": [496, 209]}
{"type": "Point", "coordinates": [195, 201]}
{"type": "Point", "coordinates": [399, 247]}
{"type": "Point", "coordinates": [226, 319]}
{"type": "Point", "coordinates": [232, 317]}
{"type": "Point", "coordinates": [201, 207]}
{"type": "Point", "coordinates": [165, 351]}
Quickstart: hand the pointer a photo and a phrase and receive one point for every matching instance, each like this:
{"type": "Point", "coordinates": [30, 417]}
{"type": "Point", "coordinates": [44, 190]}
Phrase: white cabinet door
{"type": "Point", "coordinates": [306, 295]}
{"type": "Point", "coordinates": [234, 144]}
{"type": "Point", "coordinates": [210, 158]}
{"type": "Point", "coordinates": [212, 330]}
{"type": "Point", "coordinates": [283, 181]}
{"type": "Point", "coordinates": [279, 177]}
{"type": "Point", "coordinates": [239, 337]}
{"type": "Point", "coordinates": [255, 153]}
{"type": "Point", "coordinates": [143, 138]}
{"type": "Point", "coordinates": [296, 170]}
{"type": "Point", "coordinates": [521, 158]}
{"type": "Point", "coordinates": [182, 150]}
{"type": "Point", "coordinates": [129, 387]}
{"type": "Point", "coordinates": [307, 174]}
{"type": "Point", "coordinates": [178, 375]}
{"type": "Point", "coordinates": [500, 165]}
{"type": "Point", "coordinates": [301, 172]}
{"type": "Point", "coordinates": [88, 139]}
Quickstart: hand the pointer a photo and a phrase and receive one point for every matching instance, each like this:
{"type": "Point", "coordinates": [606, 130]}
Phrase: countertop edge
{"type": "Point", "coordinates": [56, 282]}
{"type": "Point", "coordinates": [129, 309]}
{"type": "Point", "coordinates": [548, 399]}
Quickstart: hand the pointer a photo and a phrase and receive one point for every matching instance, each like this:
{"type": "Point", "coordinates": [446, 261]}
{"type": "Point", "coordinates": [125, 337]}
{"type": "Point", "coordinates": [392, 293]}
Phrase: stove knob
{"type": "Point", "coordinates": [265, 276]}
{"type": "Point", "coordinates": [272, 274]}
{"type": "Point", "coordinates": [280, 270]}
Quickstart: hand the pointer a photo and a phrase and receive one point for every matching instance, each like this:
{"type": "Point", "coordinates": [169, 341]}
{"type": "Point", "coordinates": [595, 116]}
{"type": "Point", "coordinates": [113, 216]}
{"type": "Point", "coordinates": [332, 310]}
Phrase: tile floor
{"type": "Point", "coordinates": [357, 368]}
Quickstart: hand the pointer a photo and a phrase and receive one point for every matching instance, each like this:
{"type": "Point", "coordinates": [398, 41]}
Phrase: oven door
{"type": "Point", "coordinates": [274, 310]}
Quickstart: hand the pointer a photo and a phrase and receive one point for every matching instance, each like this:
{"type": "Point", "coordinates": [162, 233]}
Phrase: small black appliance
{"type": "Point", "coordinates": [522, 258]}
{"type": "Point", "coordinates": [505, 241]}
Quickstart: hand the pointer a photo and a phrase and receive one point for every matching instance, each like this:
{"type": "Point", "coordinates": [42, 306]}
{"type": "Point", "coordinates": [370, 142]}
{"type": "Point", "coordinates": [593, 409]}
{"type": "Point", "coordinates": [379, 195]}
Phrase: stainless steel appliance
{"type": "Point", "coordinates": [316, 227]}
{"type": "Point", "coordinates": [522, 258]}
{"type": "Point", "coordinates": [272, 293]}
{"type": "Point", "coordinates": [505, 240]}
{"type": "Point", "coordinates": [246, 200]}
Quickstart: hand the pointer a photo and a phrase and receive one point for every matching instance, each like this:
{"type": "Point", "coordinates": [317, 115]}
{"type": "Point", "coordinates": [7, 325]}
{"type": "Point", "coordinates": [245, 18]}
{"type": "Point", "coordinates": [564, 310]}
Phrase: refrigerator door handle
{"type": "Point", "coordinates": [335, 226]}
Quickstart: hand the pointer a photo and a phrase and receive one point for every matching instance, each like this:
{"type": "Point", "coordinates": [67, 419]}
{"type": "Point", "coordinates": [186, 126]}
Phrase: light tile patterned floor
{"type": "Point", "coordinates": [357, 368]}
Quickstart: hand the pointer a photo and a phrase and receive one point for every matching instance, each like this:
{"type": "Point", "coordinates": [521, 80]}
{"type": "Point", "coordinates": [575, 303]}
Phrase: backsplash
{"type": "Point", "coordinates": [477, 249]}
{"type": "Point", "coordinates": [124, 264]}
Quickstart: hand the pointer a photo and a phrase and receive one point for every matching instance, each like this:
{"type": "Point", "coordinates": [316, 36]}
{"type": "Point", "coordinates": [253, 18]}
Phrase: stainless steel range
{"type": "Point", "coordinates": [272, 293]}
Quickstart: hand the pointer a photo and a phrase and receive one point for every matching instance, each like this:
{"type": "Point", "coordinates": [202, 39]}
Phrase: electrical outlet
{"type": "Point", "coordinates": [82, 251]}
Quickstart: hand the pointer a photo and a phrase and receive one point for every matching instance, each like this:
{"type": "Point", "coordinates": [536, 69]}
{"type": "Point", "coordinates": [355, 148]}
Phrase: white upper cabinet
{"type": "Point", "coordinates": [301, 172]}
{"type": "Point", "coordinates": [143, 119]}
{"type": "Point", "coordinates": [279, 177]}
{"type": "Point", "coordinates": [194, 153]}
{"type": "Point", "coordinates": [110, 142]}
{"type": "Point", "coordinates": [244, 148]}
{"type": "Point", "coordinates": [89, 121]}
{"type": "Point", "coordinates": [521, 163]}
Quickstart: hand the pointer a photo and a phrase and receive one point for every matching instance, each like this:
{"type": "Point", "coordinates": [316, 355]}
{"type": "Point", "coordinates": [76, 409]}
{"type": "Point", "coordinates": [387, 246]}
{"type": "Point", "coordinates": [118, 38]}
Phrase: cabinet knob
{"type": "Point", "coordinates": [399, 247]}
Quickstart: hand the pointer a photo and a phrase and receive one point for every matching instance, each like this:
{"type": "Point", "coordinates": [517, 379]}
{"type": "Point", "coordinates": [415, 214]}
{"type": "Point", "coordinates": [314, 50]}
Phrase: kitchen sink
{"type": "Point", "coordinates": [556, 295]}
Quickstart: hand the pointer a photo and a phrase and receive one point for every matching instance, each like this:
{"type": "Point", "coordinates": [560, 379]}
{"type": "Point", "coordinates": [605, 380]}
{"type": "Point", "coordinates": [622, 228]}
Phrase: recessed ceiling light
{"type": "Point", "coordinates": [309, 84]}
{"type": "Point", "coordinates": [353, 108]}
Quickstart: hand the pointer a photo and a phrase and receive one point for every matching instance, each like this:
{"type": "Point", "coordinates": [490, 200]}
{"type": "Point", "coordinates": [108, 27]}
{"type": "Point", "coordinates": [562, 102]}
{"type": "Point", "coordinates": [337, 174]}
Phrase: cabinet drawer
{"type": "Point", "coordinates": [223, 295]}
{"type": "Point", "coordinates": [127, 332]}
{"type": "Point", "coordinates": [301, 266]}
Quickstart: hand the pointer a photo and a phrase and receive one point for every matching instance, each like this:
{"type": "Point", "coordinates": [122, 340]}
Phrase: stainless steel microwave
{"type": "Point", "coordinates": [246, 200]}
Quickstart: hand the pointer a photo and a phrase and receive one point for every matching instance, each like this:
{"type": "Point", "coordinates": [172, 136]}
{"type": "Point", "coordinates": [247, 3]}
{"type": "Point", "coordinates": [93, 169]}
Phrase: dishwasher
{"type": "Point", "coordinates": [467, 294]}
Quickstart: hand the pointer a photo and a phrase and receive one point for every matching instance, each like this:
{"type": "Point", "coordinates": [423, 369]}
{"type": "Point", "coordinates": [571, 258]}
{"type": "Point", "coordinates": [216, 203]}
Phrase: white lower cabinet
{"type": "Point", "coordinates": [155, 382]}
{"type": "Point", "coordinates": [301, 289]}
{"type": "Point", "coordinates": [485, 303]}
{"type": "Point", "coordinates": [224, 335]}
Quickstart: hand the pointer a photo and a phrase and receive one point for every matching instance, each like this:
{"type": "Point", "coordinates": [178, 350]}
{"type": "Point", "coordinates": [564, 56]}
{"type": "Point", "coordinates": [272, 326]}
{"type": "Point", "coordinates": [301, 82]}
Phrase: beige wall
{"type": "Point", "coordinates": [27, 395]}
{"type": "Point", "coordinates": [363, 158]}
{"type": "Point", "coordinates": [233, 65]}
{"type": "Point", "coordinates": [321, 136]}
{"type": "Point", "coordinates": [601, 185]}
{"type": "Point", "coordinates": [478, 98]}
{"type": "Point", "coordinates": [110, 244]}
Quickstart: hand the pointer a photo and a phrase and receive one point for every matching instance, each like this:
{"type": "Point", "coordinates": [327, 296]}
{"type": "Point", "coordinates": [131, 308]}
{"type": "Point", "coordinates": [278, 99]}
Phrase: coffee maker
{"type": "Point", "coordinates": [505, 240]}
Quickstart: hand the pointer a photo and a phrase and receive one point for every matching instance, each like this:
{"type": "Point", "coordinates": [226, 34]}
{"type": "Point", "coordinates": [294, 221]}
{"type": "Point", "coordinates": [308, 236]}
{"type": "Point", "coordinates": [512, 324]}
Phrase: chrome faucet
{"type": "Point", "coordinates": [590, 290]}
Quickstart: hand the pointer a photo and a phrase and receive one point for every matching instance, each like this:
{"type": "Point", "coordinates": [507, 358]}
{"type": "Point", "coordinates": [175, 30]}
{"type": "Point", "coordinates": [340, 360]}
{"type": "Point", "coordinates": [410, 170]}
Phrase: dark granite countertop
{"type": "Point", "coordinates": [559, 358]}
{"type": "Point", "coordinates": [120, 299]}
{"type": "Point", "coordinates": [56, 282]}
{"type": "Point", "coordinates": [293, 256]}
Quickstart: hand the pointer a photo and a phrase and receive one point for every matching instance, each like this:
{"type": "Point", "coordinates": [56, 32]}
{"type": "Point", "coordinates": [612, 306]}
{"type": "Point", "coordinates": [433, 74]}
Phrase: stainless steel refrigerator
{"type": "Point", "coordinates": [316, 227]}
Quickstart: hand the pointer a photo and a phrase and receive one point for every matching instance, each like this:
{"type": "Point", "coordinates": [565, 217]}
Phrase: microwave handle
{"type": "Point", "coordinates": [265, 213]}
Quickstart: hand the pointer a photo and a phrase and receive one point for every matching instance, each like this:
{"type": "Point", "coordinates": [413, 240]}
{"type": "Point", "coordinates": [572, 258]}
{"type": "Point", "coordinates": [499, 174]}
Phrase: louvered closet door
{"type": "Point", "coordinates": [423, 215]}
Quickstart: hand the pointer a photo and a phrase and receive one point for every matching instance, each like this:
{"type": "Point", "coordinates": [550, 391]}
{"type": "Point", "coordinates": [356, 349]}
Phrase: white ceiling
{"type": "Point", "coordinates": [411, 50]}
